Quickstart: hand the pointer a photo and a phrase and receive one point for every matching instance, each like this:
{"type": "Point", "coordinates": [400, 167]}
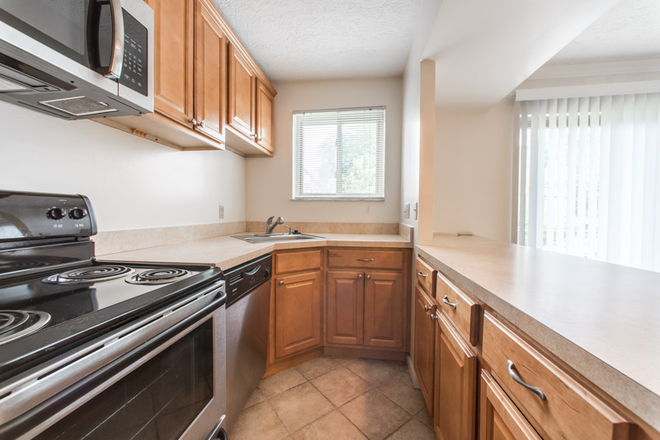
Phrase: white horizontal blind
{"type": "Point", "coordinates": [589, 181]}
{"type": "Point", "coordinates": [339, 154]}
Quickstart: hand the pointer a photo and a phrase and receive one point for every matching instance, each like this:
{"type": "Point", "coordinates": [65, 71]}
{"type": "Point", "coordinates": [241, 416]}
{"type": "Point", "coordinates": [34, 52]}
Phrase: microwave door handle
{"type": "Point", "coordinates": [117, 60]}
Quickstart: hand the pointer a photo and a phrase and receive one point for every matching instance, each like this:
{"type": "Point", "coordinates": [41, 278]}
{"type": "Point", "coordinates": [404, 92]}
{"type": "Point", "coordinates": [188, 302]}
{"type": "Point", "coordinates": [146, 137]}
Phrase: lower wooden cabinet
{"type": "Point", "coordinates": [499, 419]}
{"type": "Point", "coordinates": [297, 313]}
{"type": "Point", "coordinates": [424, 345]}
{"type": "Point", "coordinates": [345, 307]}
{"type": "Point", "coordinates": [455, 382]}
{"type": "Point", "coordinates": [384, 310]}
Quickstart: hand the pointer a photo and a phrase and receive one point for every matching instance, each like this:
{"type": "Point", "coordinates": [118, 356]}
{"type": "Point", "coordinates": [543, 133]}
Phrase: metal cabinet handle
{"type": "Point", "coordinates": [261, 139]}
{"type": "Point", "coordinates": [422, 274]}
{"type": "Point", "coordinates": [193, 121]}
{"type": "Point", "coordinates": [359, 276]}
{"type": "Point", "coordinates": [117, 58]}
{"type": "Point", "coordinates": [433, 317]}
{"type": "Point", "coordinates": [202, 124]}
{"type": "Point", "coordinates": [368, 277]}
{"type": "Point", "coordinates": [281, 282]}
{"type": "Point", "coordinates": [366, 260]}
{"type": "Point", "coordinates": [445, 299]}
{"type": "Point", "coordinates": [518, 380]}
{"type": "Point", "coordinates": [426, 308]}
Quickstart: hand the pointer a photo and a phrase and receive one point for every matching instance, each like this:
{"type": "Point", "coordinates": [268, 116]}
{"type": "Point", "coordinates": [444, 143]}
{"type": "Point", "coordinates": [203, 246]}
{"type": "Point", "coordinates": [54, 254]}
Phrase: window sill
{"type": "Point", "coordinates": [338, 199]}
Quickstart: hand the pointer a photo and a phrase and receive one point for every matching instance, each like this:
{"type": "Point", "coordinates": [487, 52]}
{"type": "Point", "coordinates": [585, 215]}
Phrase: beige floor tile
{"type": "Point", "coordinates": [340, 385]}
{"type": "Point", "coordinates": [424, 417]}
{"type": "Point", "coordinates": [332, 426]}
{"type": "Point", "coordinates": [258, 422]}
{"type": "Point", "coordinates": [274, 385]}
{"type": "Point", "coordinates": [400, 389]}
{"type": "Point", "coordinates": [299, 406]}
{"type": "Point", "coordinates": [375, 415]}
{"type": "Point", "coordinates": [375, 372]}
{"type": "Point", "coordinates": [318, 366]}
{"type": "Point", "coordinates": [256, 397]}
{"type": "Point", "coordinates": [414, 429]}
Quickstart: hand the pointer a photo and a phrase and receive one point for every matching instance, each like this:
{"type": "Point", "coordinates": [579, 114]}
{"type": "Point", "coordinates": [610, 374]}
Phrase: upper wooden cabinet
{"type": "Point", "coordinates": [173, 68]}
{"type": "Point", "coordinates": [204, 79]}
{"type": "Point", "coordinates": [210, 73]}
{"type": "Point", "coordinates": [250, 111]}
{"type": "Point", "coordinates": [265, 117]}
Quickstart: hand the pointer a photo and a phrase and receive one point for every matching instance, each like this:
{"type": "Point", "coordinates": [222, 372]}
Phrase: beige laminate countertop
{"type": "Point", "coordinates": [602, 319]}
{"type": "Point", "coordinates": [226, 252]}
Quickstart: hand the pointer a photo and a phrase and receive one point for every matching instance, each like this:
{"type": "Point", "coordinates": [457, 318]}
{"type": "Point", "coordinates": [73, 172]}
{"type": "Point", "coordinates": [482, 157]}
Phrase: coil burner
{"type": "Point", "coordinates": [158, 276]}
{"type": "Point", "coordinates": [89, 275]}
{"type": "Point", "coordinates": [17, 323]}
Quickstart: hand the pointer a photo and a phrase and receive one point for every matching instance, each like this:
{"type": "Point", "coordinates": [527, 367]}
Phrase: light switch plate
{"type": "Point", "coordinates": [221, 211]}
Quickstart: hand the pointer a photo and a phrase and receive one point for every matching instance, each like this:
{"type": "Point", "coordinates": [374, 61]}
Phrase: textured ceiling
{"type": "Point", "coordinates": [630, 30]}
{"type": "Point", "coordinates": [319, 39]}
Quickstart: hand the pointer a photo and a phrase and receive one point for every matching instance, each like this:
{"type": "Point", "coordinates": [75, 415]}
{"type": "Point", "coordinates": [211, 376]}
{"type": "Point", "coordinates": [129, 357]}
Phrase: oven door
{"type": "Point", "coordinates": [171, 387]}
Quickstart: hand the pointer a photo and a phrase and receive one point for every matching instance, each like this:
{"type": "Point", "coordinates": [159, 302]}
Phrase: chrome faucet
{"type": "Point", "coordinates": [271, 223]}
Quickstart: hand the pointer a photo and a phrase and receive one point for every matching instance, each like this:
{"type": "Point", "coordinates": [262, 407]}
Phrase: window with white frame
{"type": "Point", "coordinates": [589, 181]}
{"type": "Point", "coordinates": [339, 154]}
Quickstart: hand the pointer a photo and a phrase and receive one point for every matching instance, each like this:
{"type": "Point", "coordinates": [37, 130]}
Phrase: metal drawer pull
{"type": "Point", "coordinates": [422, 274]}
{"type": "Point", "coordinates": [281, 282]}
{"type": "Point", "coordinates": [445, 299]}
{"type": "Point", "coordinates": [359, 276]}
{"type": "Point", "coordinates": [368, 276]}
{"type": "Point", "coordinates": [426, 308]}
{"type": "Point", "coordinates": [433, 317]}
{"type": "Point", "coordinates": [518, 380]}
{"type": "Point", "coordinates": [366, 260]}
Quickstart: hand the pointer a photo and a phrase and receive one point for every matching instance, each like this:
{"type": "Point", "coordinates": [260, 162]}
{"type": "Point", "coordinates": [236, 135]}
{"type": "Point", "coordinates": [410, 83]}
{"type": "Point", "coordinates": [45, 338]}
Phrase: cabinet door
{"type": "Point", "coordinates": [384, 310]}
{"type": "Point", "coordinates": [297, 313]}
{"type": "Point", "coordinates": [265, 117]}
{"type": "Point", "coordinates": [241, 94]}
{"type": "Point", "coordinates": [455, 384]}
{"type": "Point", "coordinates": [499, 419]}
{"type": "Point", "coordinates": [424, 346]}
{"type": "Point", "coordinates": [210, 72]}
{"type": "Point", "coordinates": [173, 59]}
{"type": "Point", "coordinates": [345, 307]}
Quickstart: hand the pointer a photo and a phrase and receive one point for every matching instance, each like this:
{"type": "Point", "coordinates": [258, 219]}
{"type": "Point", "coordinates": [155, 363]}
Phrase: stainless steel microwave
{"type": "Point", "coordinates": [77, 59]}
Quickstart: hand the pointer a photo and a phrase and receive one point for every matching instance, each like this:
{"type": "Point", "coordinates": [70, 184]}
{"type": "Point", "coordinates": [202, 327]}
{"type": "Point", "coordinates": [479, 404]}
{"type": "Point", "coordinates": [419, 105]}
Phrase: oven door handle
{"type": "Point", "coordinates": [38, 418]}
{"type": "Point", "coordinates": [41, 383]}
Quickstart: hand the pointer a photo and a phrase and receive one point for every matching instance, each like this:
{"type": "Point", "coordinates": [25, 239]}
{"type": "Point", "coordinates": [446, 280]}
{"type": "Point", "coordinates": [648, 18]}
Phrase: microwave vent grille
{"type": "Point", "coordinates": [79, 106]}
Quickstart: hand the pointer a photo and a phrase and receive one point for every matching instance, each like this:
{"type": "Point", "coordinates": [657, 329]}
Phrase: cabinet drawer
{"type": "Point", "coordinates": [566, 409]}
{"type": "Point", "coordinates": [425, 276]}
{"type": "Point", "coordinates": [461, 309]}
{"type": "Point", "coordinates": [297, 261]}
{"type": "Point", "coordinates": [365, 259]}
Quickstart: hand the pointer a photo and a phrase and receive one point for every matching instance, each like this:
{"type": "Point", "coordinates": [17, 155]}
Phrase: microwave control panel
{"type": "Point", "coordinates": [134, 73]}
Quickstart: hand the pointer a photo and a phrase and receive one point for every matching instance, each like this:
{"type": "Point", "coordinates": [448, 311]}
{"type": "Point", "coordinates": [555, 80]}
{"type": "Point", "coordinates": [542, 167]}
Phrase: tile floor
{"type": "Point", "coordinates": [336, 398]}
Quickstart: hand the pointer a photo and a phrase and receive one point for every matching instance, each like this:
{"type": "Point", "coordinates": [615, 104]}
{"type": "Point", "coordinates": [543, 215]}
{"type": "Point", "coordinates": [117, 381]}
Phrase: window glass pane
{"type": "Point", "coordinates": [339, 153]}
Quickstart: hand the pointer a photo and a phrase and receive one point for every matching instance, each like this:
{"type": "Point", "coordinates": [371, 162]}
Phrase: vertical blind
{"type": "Point", "coordinates": [589, 181]}
{"type": "Point", "coordinates": [339, 154]}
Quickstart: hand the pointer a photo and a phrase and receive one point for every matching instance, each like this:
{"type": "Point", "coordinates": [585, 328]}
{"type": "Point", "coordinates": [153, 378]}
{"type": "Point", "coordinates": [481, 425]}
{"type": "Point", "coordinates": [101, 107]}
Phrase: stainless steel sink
{"type": "Point", "coordinates": [269, 238]}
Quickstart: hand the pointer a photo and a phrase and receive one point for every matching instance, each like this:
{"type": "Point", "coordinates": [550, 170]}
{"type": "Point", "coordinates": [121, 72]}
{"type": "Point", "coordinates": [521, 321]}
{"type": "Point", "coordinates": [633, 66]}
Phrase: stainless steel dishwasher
{"type": "Point", "coordinates": [248, 300]}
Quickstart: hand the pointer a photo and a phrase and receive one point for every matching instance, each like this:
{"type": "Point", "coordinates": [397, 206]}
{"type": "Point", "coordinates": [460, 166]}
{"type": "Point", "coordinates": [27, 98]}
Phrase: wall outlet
{"type": "Point", "coordinates": [221, 211]}
{"type": "Point", "coordinates": [406, 211]}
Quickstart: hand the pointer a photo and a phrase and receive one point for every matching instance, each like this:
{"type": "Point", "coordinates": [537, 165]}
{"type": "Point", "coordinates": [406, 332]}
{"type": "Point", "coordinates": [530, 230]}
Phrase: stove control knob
{"type": "Point", "coordinates": [55, 213]}
{"type": "Point", "coordinates": [78, 213]}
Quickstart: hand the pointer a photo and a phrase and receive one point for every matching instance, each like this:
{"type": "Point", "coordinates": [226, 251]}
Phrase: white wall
{"type": "Point", "coordinates": [411, 102]}
{"type": "Point", "coordinates": [270, 180]}
{"type": "Point", "coordinates": [473, 171]}
{"type": "Point", "coordinates": [132, 183]}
